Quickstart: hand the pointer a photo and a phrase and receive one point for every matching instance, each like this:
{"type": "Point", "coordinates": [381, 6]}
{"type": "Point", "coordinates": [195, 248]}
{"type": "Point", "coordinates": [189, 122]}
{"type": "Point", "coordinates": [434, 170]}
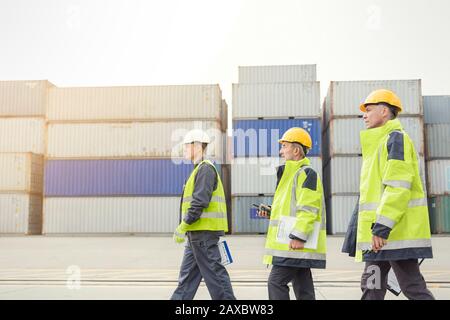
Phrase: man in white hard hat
{"type": "Point", "coordinates": [204, 220]}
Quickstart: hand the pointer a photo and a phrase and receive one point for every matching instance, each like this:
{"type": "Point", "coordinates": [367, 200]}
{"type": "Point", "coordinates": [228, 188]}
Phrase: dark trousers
{"type": "Point", "coordinates": [302, 283]}
{"type": "Point", "coordinates": [408, 275]}
{"type": "Point", "coordinates": [202, 260]}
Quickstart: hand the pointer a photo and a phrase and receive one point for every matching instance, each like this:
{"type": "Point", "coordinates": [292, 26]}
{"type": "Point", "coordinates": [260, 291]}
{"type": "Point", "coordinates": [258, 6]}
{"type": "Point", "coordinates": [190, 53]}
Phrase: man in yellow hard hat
{"type": "Point", "coordinates": [204, 220]}
{"type": "Point", "coordinates": [296, 238]}
{"type": "Point", "coordinates": [393, 229]}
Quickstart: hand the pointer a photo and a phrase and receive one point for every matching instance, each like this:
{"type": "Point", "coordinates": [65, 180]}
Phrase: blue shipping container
{"type": "Point", "coordinates": [259, 138]}
{"type": "Point", "coordinates": [145, 177]}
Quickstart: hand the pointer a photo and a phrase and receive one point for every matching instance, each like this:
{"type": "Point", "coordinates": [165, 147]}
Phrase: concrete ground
{"type": "Point", "coordinates": [137, 267]}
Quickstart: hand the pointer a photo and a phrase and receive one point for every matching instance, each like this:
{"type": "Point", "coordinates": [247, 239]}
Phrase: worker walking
{"type": "Point", "coordinates": [204, 220]}
{"type": "Point", "coordinates": [298, 198]}
{"type": "Point", "coordinates": [393, 229]}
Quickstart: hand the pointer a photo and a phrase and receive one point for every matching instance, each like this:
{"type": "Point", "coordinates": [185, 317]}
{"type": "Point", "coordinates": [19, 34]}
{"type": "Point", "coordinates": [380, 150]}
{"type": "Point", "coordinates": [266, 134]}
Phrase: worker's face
{"type": "Point", "coordinates": [192, 151]}
{"type": "Point", "coordinates": [375, 116]}
{"type": "Point", "coordinates": [291, 151]}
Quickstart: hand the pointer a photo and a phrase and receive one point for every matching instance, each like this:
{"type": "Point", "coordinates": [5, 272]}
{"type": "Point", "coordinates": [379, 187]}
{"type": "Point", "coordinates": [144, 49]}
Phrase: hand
{"type": "Point", "coordinates": [179, 236]}
{"type": "Point", "coordinates": [378, 243]}
{"type": "Point", "coordinates": [178, 239]}
{"type": "Point", "coordinates": [296, 244]}
{"type": "Point", "coordinates": [263, 214]}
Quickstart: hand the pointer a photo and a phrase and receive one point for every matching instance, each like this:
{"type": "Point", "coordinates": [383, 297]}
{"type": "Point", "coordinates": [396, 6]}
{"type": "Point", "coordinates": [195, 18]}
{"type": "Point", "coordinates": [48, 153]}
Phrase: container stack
{"type": "Point", "coordinates": [22, 145]}
{"type": "Point", "coordinates": [437, 132]}
{"type": "Point", "coordinates": [267, 101]}
{"type": "Point", "coordinates": [114, 159]}
{"type": "Point", "coordinates": [342, 149]}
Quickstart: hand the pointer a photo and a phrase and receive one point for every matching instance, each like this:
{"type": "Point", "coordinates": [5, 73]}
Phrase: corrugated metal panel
{"type": "Point", "coordinates": [132, 103]}
{"type": "Point", "coordinates": [259, 138]}
{"type": "Point", "coordinates": [21, 172]}
{"type": "Point", "coordinates": [255, 176]}
{"type": "Point", "coordinates": [342, 175]}
{"type": "Point", "coordinates": [244, 220]}
{"type": "Point", "coordinates": [438, 177]}
{"type": "Point", "coordinates": [436, 109]}
{"type": "Point", "coordinates": [131, 139]}
{"type": "Point", "coordinates": [74, 178]}
{"type": "Point", "coordinates": [439, 209]}
{"type": "Point", "coordinates": [224, 115]}
{"type": "Point", "coordinates": [111, 215]}
{"type": "Point", "coordinates": [277, 74]}
{"type": "Point", "coordinates": [344, 139]}
{"type": "Point", "coordinates": [346, 96]}
{"type": "Point", "coordinates": [22, 135]}
{"type": "Point", "coordinates": [23, 98]}
{"type": "Point", "coordinates": [340, 209]}
{"type": "Point", "coordinates": [279, 100]}
{"type": "Point", "coordinates": [20, 213]}
{"type": "Point", "coordinates": [438, 140]}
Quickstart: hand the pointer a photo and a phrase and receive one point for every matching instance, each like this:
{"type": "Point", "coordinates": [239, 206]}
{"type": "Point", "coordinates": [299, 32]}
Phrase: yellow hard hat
{"type": "Point", "coordinates": [298, 135]}
{"type": "Point", "coordinates": [382, 96]}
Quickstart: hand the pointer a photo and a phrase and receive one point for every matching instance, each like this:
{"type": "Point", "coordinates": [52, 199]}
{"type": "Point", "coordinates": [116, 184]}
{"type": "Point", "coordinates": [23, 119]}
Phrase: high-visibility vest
{"type": "Point", "coordinates": [294, 198]}
{"type": "Point", "coordinates": [391, 191]}
{"type": "Point", "coordinates": [214, 217]}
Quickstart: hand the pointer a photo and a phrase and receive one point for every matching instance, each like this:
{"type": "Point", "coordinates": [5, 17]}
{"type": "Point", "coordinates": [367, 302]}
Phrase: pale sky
{"type": "Point", "coordinates": [110, 43]}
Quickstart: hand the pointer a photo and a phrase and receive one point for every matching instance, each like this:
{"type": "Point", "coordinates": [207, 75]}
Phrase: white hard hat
{"type": "Point", "coordinates": [196, 135]}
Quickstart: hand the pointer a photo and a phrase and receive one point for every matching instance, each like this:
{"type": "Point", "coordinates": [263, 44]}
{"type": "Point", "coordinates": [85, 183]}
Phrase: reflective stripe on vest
{"type": "Point", "coordinates": [373, 206]}
{"type": "Point", "coordinates": [295, 254]}
{"type": "Point", "coordinates": [400, 244]}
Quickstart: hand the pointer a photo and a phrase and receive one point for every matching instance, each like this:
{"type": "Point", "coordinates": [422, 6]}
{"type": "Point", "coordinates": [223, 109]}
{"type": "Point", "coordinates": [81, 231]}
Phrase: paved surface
{"type": "Point", "coordinates": [120, 267]}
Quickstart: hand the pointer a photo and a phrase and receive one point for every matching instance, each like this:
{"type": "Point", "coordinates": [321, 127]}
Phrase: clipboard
{"type": "Point", "coordinates": [287, 224]}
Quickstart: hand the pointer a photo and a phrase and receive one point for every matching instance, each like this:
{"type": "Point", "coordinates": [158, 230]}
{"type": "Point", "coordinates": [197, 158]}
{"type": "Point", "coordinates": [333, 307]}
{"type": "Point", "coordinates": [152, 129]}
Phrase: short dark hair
{"type": "Point", "coordinates": [394, 111]}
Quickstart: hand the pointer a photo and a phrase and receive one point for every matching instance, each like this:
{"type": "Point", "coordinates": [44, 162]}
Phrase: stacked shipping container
{"type": "Point", "coordinates": [22, 145]}
{"type": "Point", "coordinates": [114, 158]}
{"type": "Point", "coordinates": [437, 131]}
{"type": "Point", "coordinates": [342, 150]}
{"type": "Point", "coordinates": [267, 101]}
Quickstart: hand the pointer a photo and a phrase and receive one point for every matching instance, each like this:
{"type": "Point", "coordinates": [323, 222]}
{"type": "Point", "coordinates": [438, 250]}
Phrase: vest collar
{"type": "Point", "coordinates": [370, 138]}
{"type": "Point", "coordinates": [292, 165]}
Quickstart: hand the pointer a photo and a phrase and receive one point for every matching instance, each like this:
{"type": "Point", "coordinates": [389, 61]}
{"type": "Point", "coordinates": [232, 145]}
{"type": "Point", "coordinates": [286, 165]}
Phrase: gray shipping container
{"type": "Point", "coordinates": [339, 212]}
{"type": "Point", "coordinates": [438, 177]}
{"type": "Point", "coordinates": [436, 109]}
{"type": "Point", "coordinates": [277, 74]}
{"type": "Point", "coordinates": [344, 97]}
{"type": "Point", "coordinates": [438, 140]}
{"type": "Point", "coordinates": [276, 100]}
{"type": "Point", "coordinates": [128, 215]}
{"type": "Point", "coordinates": [243, 220]}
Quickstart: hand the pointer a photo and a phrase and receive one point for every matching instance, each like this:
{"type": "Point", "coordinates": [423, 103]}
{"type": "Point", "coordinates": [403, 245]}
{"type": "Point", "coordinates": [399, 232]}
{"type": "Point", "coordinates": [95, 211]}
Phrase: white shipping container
{"type": "Point", "coordinates": [276, 100]}
{"type": "Point", "coordinates": [128, 139]}
{"type": "Point", "coordinates": [340, 209]}
{"type": "Point", "coordinates": [277, 74]}
{"type": "Point", "coordinates": [345, 97]}
{"type": "Point", "coordinates": [132, 103]}
{"type": "Point", "coordinates": [254, 176]}
{"type": "Point", "coordinates": [343, 135]}
{"type": "Point", "coordinates": [20, 213]}
{"type": "Point", "coordinates": [21, 172]}
{"type": "Point", "coordinates": [438, 177]}
{"type": "Point", "coordinates": [23, 98]}
{"type": "Point", "coordinates": [111, 215]}
{"type": "Point", "coordinates": [342, 175]}
{"type": "Point", "coordinates": [22, 135]}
